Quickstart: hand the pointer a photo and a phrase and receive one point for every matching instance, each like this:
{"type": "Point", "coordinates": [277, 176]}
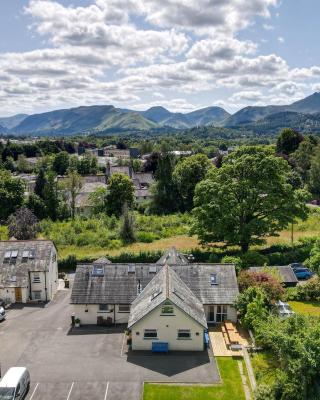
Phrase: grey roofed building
{"type": "Point", "coordinates": [118, 285]}
{"type": "Point", "coordinates": [172, 257]}
{"type": "Point", "coordinates": [166, 285]}
{"type": "Point", "coordinates": [103, 261]}
{"type": "Point", "coordinates": [19, 262]}
{"type": "Point", "coordinates": [287, 274]}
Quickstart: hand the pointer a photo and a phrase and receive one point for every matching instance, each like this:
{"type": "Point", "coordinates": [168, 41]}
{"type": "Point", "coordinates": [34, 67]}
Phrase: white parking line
{"type": "Point", "coordinates": [106, 394]}
{"type": "Point", "coordinates": [69, 394]}
{"type": "Point", "coordinates": [34, 391]}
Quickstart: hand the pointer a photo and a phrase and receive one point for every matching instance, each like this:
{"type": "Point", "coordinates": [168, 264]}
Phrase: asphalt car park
{"type": "Point", "coordinates": [88, 363]}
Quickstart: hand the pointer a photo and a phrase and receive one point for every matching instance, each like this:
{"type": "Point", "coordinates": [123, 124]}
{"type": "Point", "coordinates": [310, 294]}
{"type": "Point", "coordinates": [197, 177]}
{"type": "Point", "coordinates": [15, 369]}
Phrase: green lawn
{"type": "Point", "coordinates": [306, 307]}
{"type": "Point", "coordinates": [265, 366]}
{"type": "Point", "coordinates": [231, 387]}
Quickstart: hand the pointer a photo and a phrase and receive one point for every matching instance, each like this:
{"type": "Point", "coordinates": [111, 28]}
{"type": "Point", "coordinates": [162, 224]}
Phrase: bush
{"type": "Point", "coordinates": [68, 264]}
{"type": "Point", "coordinates": [253, 259]}
{"type": "Point", "coordinates": [146, 237]}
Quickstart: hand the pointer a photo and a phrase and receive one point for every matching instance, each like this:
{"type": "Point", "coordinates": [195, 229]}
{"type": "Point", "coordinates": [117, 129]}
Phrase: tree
{"type": "Point", "coordinates": [120, 192]}
{"type": "Point", "coordinates": [314, 175]}
{"type": "Point", "coordinates": [37, 205]}
{"type": "Point", "coordinates": [302, 158]}
{"type": "Point", "coordinates": [88, 164]}
{"type": "Point", "coordinates": [127, 226]}
{"type": "Point", "coordinates": [61, 163]}
{"type": "Point", "coordinates": [23, 224]}
{"type": "Point", "coordinates": [252, 304]}
{"type": "Point", "coordinates": [266, 280]}
{"type": "Point", "coordinates": [50, 196]}
{"type": "Point", "coordinates": [165, 193]}
{"type": "Point", "coordinates": [40, 183]}
{"type": "Point", "coordinates": [73, 185]}
{"type": "Point", "coordinates": [187, 173]}
{"type": "Point", "coordinates": [98, 200]}
{"type": "Point", "coordinates": [11, 194]}
{"type": "Point", "coordinates": [288, 141]}
{"type": "Point", "coordinates": [247, 199]}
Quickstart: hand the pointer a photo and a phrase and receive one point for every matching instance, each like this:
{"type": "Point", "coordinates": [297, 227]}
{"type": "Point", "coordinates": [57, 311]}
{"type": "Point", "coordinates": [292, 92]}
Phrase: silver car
{"type": "Point", "coordinates": [2, 313]}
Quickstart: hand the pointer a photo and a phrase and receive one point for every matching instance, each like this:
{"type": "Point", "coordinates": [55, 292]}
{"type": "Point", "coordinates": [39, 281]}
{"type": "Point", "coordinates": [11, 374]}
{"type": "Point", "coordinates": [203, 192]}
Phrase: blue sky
{"type": "Point", "coordinates": [181, 54]}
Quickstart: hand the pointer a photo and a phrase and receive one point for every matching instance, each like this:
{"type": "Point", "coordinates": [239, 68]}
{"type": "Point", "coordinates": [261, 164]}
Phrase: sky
{"type": "Point", "coordinates": [180, 54]}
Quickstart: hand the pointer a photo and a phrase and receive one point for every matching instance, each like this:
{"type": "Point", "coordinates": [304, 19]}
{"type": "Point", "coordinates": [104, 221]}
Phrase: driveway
{"type": "Point", "coordinates": [88, 364]}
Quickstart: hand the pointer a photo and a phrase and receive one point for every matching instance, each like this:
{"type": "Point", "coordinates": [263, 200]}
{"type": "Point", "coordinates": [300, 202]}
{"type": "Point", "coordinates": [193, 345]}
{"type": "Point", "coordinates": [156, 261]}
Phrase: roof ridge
{"type": "Point", "coordinates": [167, 280]}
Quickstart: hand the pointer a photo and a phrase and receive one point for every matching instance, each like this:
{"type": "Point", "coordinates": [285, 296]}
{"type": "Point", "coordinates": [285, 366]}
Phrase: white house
{"type": "Point", "coordinates": [28, 270]}
{"type": "Point", "coordinates": [105, 293]}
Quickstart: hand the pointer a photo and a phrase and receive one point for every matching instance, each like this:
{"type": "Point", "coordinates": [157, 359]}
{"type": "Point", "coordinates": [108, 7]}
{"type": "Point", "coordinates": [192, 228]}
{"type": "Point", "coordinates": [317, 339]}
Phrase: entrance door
{"type": "Point", "coordinates": [211, 313]}
{"type": "Point", "coordinates": [18, 294]}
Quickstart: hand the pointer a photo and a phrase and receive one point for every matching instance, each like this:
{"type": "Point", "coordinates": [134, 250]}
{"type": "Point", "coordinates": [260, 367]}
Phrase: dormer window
{"type": "Point", "coordinates": [213, 279]}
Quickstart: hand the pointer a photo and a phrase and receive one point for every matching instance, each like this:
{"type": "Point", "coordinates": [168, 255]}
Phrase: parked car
{"type": "Point", "coordinates": [283, 309]}
{"type": "Point", "coordinates": [303, 273]}
{"type": "Point", "coordinates": [2, 315]}
{"type": "Point", "coordinates": [297, 265]}
{"type": "Point", "coordinates": [15, 384]}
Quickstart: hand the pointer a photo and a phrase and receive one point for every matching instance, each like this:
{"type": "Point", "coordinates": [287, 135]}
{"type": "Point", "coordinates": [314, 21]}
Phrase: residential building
{"type": "Point", "coordinates": [107, 293]}
{"type": "Point", "coordinates": [28, 270]}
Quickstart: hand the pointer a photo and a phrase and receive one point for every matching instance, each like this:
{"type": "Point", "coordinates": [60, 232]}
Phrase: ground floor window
{"type": "Point", "coordinates": [150, 334]}
{"type": "Point", "coordinates": [184, 334]}
{"type": "Point", "coordinates": [222, 313]}
{"type": "Point", "coordinates": [37, 295]}
{"type": "Point", "coordinates": [124, 307]}
{"type": "Point", "coordinates": [104, 307]}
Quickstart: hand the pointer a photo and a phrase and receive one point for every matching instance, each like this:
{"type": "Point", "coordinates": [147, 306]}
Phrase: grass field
{"type": "Point", "coordinates": [231, 387]}
{"type": "Point", "coordinates": [306, 307]}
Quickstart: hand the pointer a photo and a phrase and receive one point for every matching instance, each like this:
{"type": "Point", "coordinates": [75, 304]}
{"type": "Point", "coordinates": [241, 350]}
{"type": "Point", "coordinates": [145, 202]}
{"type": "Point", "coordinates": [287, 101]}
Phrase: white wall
{"type": "Point", "coordinates": [167, 327]}
{"type": "Point", "coordinates": [8, 294]}
{"type": "Point", "coordinates": [90, 317]}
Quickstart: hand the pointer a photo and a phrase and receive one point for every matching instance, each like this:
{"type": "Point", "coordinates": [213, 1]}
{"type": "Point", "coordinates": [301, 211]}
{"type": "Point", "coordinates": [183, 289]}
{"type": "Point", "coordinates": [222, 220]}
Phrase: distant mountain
{"type": "Point", "coordinates": [11, 122]}
{"type": "Point", "coordinates": [247, 115]}
{"type": "Point", "coordinates": [275, 122]}
{"type": "Point", "coordinates": [302, 115]}
{"type": "Point", "coordinates": [3, 130]}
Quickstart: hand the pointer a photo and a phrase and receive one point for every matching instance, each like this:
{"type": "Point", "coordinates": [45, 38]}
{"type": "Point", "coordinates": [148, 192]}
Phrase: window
{"type": "Point", "coordinates": [213, 279]}
{"type": "Point", "coordinates": [32, 254]}
{"type": "Point", "coordinates": [37, 295]}
{"type": "Point", "coordinates": [7, 256]}
{"type": "Point", "coordinates": [97, 270]}
{"type": "Point", "coordinates": [167, 308]}
{"type": "Point", "coordinates": [150, 334]}
{"type": "Point", "coordinates": [124, 307]}
{"type": "Point", "coordinates": [155, 294]}
{"type": "Point", "coordinates": [222, 313]}
{"type": "Point", "coordinates": [184, 334]}
{"type": "Point", "coordinates": [25, 254]}
{"type": "Point", "coordinates": [36, 278]}
{"type": "Point", "coordinates": [131, 269]}
{"type": "Point", "coordinates": [152, 269]}
{"type": "Point", "coordinates": [103, 307]}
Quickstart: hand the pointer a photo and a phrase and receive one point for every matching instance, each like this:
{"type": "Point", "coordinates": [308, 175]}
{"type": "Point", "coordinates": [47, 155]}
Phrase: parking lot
{"type": "Point", "coordinates": [88, 363]}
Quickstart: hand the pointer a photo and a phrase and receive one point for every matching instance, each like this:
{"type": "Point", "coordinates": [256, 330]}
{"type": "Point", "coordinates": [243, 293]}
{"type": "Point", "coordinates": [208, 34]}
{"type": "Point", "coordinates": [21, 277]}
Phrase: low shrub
{"type": "Point", "coordinates": [146, 237]}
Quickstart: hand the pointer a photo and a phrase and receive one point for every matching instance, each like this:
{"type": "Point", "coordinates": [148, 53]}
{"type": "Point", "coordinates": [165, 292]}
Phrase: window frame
{"type": "Point", "coordinates": [104, 310]}
{"type": "Point", "coordinates": [36, 294]}
{"type": "Point", "coordinates": [124, 311]}
{"type": "Point", "coordinates": [150, 331]}
{"type": "Point", "coordinates": [36, 277]}
{"type": "Point", "coordinates": [183, 331]}
{"type": "Point", "coordinates": [221, 315]}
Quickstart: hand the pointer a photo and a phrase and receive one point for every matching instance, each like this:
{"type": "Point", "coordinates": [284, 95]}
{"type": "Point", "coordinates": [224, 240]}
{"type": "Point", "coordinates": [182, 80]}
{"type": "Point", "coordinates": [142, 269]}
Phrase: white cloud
{"type": "Point", "coordinates": [281, 39]}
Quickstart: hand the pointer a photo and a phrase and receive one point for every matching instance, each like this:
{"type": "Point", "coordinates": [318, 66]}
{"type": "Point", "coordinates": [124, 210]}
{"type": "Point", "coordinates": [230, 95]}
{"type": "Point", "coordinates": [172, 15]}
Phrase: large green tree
{"type": "Point", "coordinates": [165, 194]}
{"type": "Point", "coordinates": [61, 163]}
{"type": "Point", "coordinates": [73, 184]}
{"type": "Point", "coordinates": [187, 174]}
{"type": "Point", "coordinates": [247, 199]}
{"type": "Point", "coordinates": [120, 192]}
{"type": "Point", "coordinates": [23, 224]}
{"type": "Point", "coordinates": [288, 141]}
{"type": "Point", "coordinates": [314, 174]}
{"type": "Point", "coordinates": [11, 194]}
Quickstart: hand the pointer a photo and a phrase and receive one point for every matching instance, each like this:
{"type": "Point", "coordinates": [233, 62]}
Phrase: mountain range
{"type": "Point", "coordinates": [303, 115]}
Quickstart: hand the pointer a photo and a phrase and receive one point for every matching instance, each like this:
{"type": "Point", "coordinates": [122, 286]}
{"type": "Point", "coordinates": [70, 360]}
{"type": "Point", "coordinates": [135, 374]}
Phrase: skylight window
{"type": "Point", "coordinates": [25, 254]}
{"type": "Point", "coordinates": [155, 294]}
{"type": "Point", "coordinates": [7, 255]}
{"type": "Point", "coordinates": [131, 269]}
{"type": "Point", "coordinates": [152, 269]}
{"type": "Point", "coordinates": [32, 254]}
{"type": "Point", "coordinates": [213, 279]}
{"type": "Point", "coordinates": [97, 270]}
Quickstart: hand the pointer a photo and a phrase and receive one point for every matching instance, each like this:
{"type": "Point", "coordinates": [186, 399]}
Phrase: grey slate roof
{"type": "Point", "coordinates": [285, 271]}
{"type": "Point", "coordinates": [117, 286]}
{"type": "Point", "coordinates": [15, 272]}
{"type": "Point", "coordinates": [102, 260]}
{"type": "Point", "coordinates": [166, 285]}
{"type": "Point", "coordinates": [172, 257]}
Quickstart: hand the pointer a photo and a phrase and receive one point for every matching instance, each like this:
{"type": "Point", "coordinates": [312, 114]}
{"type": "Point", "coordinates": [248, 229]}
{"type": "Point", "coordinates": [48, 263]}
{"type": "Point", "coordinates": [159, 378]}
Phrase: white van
{"type": "Point", "coordinates": [15, 384]}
